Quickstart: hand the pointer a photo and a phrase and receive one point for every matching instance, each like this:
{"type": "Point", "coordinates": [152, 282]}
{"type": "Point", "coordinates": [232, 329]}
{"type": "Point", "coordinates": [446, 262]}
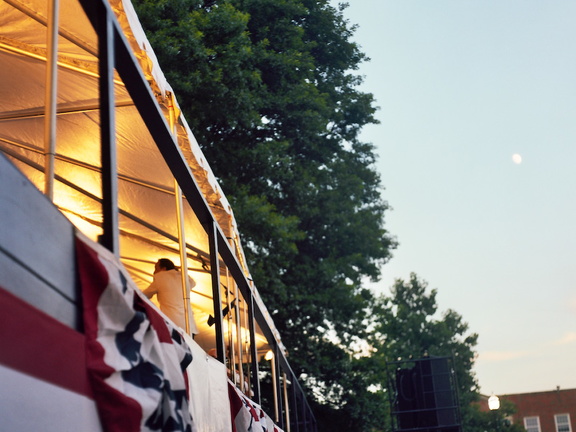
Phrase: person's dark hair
{"type": "Point", "coordinates": [167, 264]}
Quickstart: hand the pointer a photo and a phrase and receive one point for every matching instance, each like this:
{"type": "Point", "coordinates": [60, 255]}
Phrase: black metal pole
{"type": "Point", "coordinates": [279, 397]}
{"type": "Point", "coordinates": [253, 350]}
{"type": "Point", "coordinates": [216, 294]}
{"type": "Point", "coordinates": [109, 237]}
{"type": "Point", "coordinates": [294, 412]}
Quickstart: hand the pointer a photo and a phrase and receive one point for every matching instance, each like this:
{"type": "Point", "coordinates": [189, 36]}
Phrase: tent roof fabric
{"type": "Point", "coordinates": [146, 189]}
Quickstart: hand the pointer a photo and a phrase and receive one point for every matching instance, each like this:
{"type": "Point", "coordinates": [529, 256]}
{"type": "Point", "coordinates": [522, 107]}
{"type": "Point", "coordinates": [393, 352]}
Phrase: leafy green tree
{"type": "Point", "coordinates": [406, 325]}
{"type": "Point", "coordinates": [362, 402]}
{"type": "Point", "coordinates": [492, 421]}
{"type": "Point", "coordinates": [269, 89]}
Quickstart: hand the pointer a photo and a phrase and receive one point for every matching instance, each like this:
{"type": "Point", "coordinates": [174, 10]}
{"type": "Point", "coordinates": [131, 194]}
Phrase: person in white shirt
{"type": "Point", "coordinates": [167, 286]}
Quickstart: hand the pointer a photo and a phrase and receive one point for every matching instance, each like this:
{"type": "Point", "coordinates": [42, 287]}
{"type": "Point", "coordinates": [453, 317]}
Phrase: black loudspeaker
{"type": "Point", "coordinates": [426, 397]}
{"type": "Point", "coordinates": [437, 392]}
{"type": "Point", "coordinates": [407, 398]}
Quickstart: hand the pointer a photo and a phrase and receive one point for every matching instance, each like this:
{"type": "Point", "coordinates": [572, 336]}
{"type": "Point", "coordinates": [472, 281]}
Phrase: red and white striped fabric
{"type": "Point", "coordinates": [136, 360]}
{"type": "Point", "coordinates": [42, 371]}
{"type": "Point", "coordinates": [247, 415]}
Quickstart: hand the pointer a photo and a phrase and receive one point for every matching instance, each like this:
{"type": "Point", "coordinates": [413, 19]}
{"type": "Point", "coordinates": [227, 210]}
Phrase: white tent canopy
{"type": "Point", "coordinates": [146, 187]}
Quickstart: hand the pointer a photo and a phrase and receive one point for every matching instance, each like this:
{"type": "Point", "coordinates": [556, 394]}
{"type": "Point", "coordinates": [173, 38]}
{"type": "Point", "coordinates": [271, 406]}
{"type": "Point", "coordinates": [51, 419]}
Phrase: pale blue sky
{"type": "Point", "coordinates": [462, 86]}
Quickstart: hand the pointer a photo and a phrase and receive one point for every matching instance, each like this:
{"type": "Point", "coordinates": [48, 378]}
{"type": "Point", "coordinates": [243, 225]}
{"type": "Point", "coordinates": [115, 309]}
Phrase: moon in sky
{"type": "Point", "coordinates": [516, 158]}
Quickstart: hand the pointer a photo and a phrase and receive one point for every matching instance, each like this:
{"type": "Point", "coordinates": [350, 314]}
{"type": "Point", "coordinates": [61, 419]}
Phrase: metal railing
{"type": "Point", "coordinates": [292, 411]}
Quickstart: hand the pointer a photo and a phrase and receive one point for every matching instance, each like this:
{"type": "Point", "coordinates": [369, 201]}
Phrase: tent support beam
{"type": "Point", "coordinates": [181, 238]}
{"type": "Point", "coordinates": [106, 37]}
{"type": "Point", "coordinates": [295, 414]}
{"type": "Point", "coordinates": [183, 258]}
{"type": "Point", "coordinates": [63, 61]}
{"type": "Point", "coordinates": [253, 350]}
{"type": "Point", "coordinates": [216, 292]}
{"type": "Point", "coordinates": [78, 163]}
{"type": "Point", "coordinates": [39, 19]}
{"type": "Point", "coordinates": [40, 112]}
{"type": "Point", "coordinates": [286, 403]}
{"type": "Point", "coordinates": [274, 369]}
{"type": "Point", "coordinates": [238, 354]}
{"type": "Point", "coordinates": [200, 256]}
{"type": "Point", "coordinates": [50, 97]}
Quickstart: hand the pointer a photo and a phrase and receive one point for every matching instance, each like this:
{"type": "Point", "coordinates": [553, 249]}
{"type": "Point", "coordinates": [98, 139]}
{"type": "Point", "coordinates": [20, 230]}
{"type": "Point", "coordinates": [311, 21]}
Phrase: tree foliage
{"type": "Point", "coordinates": [478, 420]}
{"type": "Point", "coordinates": [407, 324]}
{"type": "Point", "coordinates": [269, 89]}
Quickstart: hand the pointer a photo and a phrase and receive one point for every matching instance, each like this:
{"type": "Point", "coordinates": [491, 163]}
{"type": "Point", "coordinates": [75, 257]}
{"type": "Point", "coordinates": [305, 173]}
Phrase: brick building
{"type": "Point", "coordinates": [551, 411]}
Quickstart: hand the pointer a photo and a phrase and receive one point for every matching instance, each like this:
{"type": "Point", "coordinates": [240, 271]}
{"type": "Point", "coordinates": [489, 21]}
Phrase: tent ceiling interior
{"type": "Point", "coordinates": [146, 186]}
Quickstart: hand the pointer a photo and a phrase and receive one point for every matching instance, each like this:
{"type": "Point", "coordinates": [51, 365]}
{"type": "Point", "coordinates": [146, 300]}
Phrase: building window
{"type": "Point", "coordinates": [532, 424]}
{"type": "Point", "coordinates": [562, 423]}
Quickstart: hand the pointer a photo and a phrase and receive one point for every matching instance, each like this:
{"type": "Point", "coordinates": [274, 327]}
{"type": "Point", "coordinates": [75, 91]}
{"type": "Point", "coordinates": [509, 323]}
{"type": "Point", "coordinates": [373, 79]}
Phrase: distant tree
{"type": "Point", "coordinates": [492, 421]}
{"type": "Point", "coordinates": [362, 403]}
{"type": "Point", "coordinates": [406, 324]}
